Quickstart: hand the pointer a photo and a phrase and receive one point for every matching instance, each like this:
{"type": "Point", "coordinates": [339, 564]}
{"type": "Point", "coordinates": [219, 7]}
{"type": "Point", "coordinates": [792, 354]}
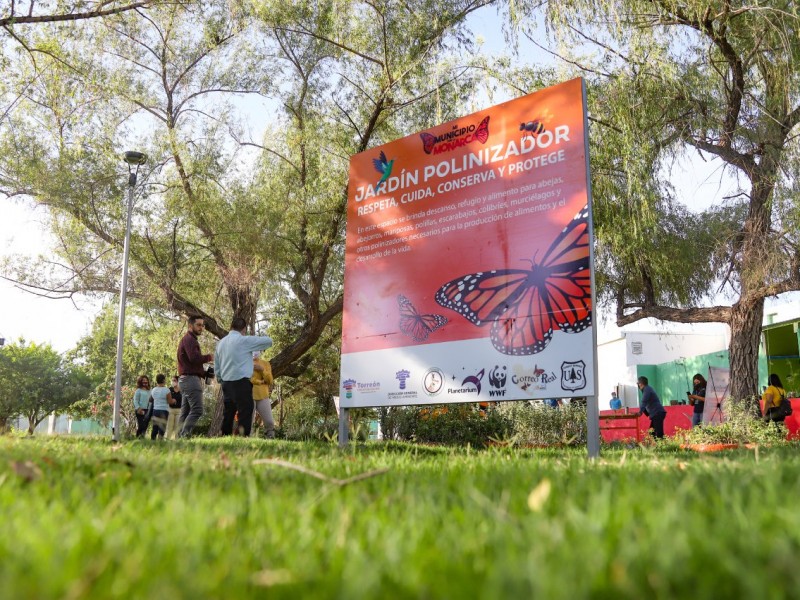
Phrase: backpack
{"type": "Point", "coordinates": [785, 407]}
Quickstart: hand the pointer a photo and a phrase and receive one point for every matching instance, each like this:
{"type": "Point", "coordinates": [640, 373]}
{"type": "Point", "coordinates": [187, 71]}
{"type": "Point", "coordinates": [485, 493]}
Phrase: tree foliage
{"type": "Point", "coordinates": [707, 78]}
{"type": "Point", "coordinates": [228, 221]}
{"type": "Point", "coordinates": [35, 381]}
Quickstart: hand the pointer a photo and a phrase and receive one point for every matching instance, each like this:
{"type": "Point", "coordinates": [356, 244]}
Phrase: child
{"type": "Point", "coordinates": [161, 400]}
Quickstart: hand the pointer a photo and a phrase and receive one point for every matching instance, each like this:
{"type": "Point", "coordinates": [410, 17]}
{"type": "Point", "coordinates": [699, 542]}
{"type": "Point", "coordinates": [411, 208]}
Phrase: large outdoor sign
{"type": "Point", "coordinates": [467, 266]}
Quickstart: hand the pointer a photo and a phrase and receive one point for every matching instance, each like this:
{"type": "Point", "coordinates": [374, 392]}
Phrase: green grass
{"type": "Point", "coordinates": [198, 520]}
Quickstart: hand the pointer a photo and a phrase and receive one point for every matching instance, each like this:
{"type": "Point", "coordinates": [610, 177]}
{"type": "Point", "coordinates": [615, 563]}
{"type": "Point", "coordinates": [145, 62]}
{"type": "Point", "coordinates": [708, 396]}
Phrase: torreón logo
{"type": "Point", "coordinates": [497, 380]}
{"type": "Point", "coordinates": [348, 385]}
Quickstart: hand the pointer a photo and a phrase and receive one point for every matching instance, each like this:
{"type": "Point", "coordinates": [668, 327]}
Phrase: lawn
{"type": "Point", "coordinates": [84, 518]}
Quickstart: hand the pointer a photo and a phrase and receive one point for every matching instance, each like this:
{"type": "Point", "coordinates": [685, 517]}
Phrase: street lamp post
{"type": "Point", "coordinates": [133, 159]}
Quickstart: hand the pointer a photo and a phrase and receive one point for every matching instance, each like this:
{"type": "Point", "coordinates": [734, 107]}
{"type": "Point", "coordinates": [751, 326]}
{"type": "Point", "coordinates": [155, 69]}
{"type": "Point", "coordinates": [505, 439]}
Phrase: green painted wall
{"type": "Point", "coordinates": [671, 380]}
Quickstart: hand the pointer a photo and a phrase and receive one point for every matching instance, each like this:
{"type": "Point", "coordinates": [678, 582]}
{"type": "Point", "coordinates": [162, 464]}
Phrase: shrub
{"type": "Point", "coordinates": [540, 425]}
{"type": "Point", "coordinates": [459, 424]}
{"type": "Point", "coordinates": [740, 427]}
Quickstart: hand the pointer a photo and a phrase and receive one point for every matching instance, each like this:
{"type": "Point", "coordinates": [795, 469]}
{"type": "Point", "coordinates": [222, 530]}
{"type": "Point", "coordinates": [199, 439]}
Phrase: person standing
{"type": "Point", "coordinates": [615, 403]}
{"type": "Point", "coordinates": [651, 407]}
{"type": "Point", "coordinates": [773, 397]}
{"type": "Point", "coordinates": [174, 409]}
{"type": "Point", "coordinates": [697, 398]}
{"type": "Point", "coordinates": [161, 400]}
{"type": "Point", "coordinates": [141, 404]}
{"type": "Point", "coordinates": [262, 387]}
{"type": "Point", "coordinates": [191, 373]}
{"type": "Point", "coordinates": [233, 368]}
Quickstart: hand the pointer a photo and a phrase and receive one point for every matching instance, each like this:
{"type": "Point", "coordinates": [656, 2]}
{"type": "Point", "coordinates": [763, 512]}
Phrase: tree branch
{"type": "Point", "coordinates": [92, 14]}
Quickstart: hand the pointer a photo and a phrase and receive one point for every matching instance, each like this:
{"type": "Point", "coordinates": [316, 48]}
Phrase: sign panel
{"type": "Point", "coordinates": [467, 265]}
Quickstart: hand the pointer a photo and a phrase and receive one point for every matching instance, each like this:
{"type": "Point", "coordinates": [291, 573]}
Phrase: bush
{"type": "Point", "coordinates": [740, 427]}
{"type": "Point", "coordinates": [540, 425]}
{"type": "Point", "coordinates": [458, 424]}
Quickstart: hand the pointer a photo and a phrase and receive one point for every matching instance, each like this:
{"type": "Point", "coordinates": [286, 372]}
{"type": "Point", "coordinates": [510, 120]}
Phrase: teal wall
{"type": "Point", "coordinates": [671, 380]}
{"type": "Point", "coordinates": [89, 426]}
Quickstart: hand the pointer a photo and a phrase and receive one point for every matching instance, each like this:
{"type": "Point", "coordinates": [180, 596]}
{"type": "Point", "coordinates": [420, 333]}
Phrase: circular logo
{"type": "Point", "coordinates": [433, 381]}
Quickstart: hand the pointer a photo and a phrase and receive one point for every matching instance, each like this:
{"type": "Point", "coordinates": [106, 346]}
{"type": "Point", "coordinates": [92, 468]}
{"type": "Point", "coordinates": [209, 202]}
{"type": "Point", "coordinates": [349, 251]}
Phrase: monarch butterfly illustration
{"type": "Point", "coordinates": [415, 325]}
{"type": "Point", "coordinates": [481, 134]}
{"type": "Point", "coordinates": [525, 306]}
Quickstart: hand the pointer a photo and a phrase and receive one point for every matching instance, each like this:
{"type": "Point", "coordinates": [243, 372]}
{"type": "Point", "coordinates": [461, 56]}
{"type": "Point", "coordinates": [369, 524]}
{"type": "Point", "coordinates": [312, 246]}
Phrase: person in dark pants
{"type": "Point", "coordinates": [697, 398]}
{"type": "Point", "coordinates": [142, 405]}
{"type": "Point", "coordinates": [191, 373]}
{"type": "Point", "coordinates": [651, 407]}
{"type": "Point", "coordinates": [233, 368]}
{"type": "Point", "coordinates": [174, 409]}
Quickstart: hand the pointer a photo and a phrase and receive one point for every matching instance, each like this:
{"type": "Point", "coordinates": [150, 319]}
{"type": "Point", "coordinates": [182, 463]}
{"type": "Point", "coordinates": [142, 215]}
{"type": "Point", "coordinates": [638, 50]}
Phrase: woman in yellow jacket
{"type": "Point", "coordinates": [262, 387]}
{"type": "Point", "coordinates": [773, 397]}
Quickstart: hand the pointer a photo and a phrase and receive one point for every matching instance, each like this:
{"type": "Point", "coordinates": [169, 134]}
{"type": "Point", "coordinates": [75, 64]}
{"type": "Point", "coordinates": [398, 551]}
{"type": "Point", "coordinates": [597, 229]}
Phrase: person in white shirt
{"type": "Point", "coordinates": [233, 368]}
{"type": "Point", "coordinates": [161, 399]}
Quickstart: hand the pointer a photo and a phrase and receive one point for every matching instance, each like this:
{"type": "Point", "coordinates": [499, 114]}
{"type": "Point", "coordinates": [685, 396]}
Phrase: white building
{"type": "Point", "coordinates": [620, 355]}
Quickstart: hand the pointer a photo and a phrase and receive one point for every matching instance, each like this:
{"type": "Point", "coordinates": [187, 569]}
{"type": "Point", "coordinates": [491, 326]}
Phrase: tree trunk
{"type": "Point", "coordinates": [745, 327]}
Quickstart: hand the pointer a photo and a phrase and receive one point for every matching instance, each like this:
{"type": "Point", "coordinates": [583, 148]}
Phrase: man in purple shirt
{"type": "Point", "coordinates": [191, 372]}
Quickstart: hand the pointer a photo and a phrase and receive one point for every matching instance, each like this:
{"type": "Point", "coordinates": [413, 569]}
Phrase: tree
{"type": "Point", "coordinates": [715, 79]}
{"type": "Point", "coordinates": [35, 381]}
{"type": "Point", "coordinates": [214, 237]}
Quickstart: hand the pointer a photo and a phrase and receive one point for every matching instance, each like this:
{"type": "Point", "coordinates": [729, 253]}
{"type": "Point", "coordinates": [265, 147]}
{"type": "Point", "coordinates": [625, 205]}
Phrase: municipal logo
{"type": "Point", "coordinates": [433, 381]}
{"type": "Point", "coordinates": [348, 385]}
{"type": "Point", "coordinates": [573, 375]}
{"type": "Point", "coordinates": [401, 376]}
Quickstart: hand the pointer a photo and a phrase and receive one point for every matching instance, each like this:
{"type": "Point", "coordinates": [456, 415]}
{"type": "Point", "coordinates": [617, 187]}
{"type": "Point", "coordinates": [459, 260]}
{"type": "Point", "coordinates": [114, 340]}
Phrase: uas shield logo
{"type": "Point", "coordinates": [348, 385]}
{"type": "Point", "coordinates": [573, 375]}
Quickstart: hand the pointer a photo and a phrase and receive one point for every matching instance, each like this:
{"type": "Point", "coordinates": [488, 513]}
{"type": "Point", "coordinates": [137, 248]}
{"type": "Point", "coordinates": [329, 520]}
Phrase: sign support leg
{"type": "Point", "coordinates": [344, 429]}
{"type": "Point", "coordinates": [593, 426]}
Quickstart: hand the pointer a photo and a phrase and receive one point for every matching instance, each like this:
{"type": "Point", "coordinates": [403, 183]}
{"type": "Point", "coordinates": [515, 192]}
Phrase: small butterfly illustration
{"type": "Point", "coordinates": [428, 142]}
{"type": "Point", "coordinates": [482, 132]}
{"type": "Point", "coordinates": [415, 325]}
{"type": "Point", "coordinates": [525, 306]}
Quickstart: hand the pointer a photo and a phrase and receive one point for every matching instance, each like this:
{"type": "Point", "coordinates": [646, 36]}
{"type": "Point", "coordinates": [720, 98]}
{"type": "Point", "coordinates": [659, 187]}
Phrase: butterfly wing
{"type": "Point", "coordinates": [482, 132]}
{"type": "Point", "coordinates": [415, 325]}
{"type": "Point", "coordinates": [483, 297]}
{"type": "Point", "coordinates": [525, 307]}
{"type": "Point", "coordinates": [567, 286]}
{"type": "Point", "coordinates": [525, 327]}
{"type": "Point", "coordinates": [427, 142]}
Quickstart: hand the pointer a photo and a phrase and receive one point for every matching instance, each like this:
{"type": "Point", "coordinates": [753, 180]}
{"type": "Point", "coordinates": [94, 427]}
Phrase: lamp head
{"type": "Point", "coordinates": [135, 158]}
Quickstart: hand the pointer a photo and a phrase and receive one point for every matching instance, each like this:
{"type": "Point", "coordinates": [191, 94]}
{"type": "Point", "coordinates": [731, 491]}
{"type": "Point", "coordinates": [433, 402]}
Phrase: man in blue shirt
{"type": "Point", "coordinates": [651, 406]}
{"type": "Point", "coordinates": [233, 368]}
{"type": "Point", "coordinates": [615, 403]}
